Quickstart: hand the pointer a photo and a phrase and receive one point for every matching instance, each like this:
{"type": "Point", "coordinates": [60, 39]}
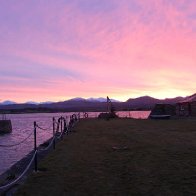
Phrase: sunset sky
{"type": "Point", "coordinates": [59, 49]}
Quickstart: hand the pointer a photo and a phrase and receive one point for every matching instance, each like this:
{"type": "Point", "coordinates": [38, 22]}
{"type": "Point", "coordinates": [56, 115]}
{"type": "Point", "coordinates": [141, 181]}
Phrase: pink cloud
{"type": "Point", "coordinates": [148, 48]}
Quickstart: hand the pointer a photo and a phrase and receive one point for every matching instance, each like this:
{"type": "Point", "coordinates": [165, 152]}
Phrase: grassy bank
{"type": "Point", "coordinates": [120, 157]}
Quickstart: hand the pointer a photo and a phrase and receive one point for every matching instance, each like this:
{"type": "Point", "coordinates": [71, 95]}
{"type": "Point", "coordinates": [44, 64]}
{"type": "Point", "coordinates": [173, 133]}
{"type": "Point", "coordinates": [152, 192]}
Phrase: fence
{"type": "Point", "coordinates": [61, 126]}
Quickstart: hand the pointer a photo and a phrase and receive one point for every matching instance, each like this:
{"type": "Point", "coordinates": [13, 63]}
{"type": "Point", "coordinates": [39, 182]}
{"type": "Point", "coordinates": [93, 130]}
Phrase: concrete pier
{"type": "Point", "coordinates": [5, 126]}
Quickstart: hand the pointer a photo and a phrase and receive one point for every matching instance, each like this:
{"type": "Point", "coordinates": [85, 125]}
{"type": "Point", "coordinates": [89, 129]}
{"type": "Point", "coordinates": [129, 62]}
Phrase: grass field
{"type": "Point", "coordinates": [120, 157]}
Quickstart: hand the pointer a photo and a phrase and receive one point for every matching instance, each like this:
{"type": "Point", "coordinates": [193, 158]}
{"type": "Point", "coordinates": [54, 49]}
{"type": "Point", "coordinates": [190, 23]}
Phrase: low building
{"type": "Point", "coordinates": [187, 107]}
{"type": "Point", "coordinates": [163, 109]}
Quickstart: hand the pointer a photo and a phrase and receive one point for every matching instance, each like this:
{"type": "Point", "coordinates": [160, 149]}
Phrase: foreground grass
{"type": "Point", "coordinates": [120, 157]}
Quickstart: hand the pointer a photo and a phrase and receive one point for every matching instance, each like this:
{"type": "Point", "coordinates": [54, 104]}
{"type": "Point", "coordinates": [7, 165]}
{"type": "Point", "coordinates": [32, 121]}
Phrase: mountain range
{"type": "Point", "coordinates": [91, 104]}
{"type": "Point", "coordinates": [100, 99]}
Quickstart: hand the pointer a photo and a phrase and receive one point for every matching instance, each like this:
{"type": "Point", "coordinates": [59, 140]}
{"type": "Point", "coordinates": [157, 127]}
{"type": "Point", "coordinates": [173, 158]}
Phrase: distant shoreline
{"type": "Point", "coordinates": [32, 111]}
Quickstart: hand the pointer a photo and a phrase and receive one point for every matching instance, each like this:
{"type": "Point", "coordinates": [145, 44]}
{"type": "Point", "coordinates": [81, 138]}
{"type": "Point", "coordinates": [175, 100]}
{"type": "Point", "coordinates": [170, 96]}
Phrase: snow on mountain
{"type": "Point", "coordinates": [31, 102]}
{"type": "Point", "coordinates": [7, 102]}
{"type": "Point", "coordinates": [77, 99]}
{"type": "Point", "coordinates": [100, 99]}
{"type": "Point", "coordinates": [46, 102]}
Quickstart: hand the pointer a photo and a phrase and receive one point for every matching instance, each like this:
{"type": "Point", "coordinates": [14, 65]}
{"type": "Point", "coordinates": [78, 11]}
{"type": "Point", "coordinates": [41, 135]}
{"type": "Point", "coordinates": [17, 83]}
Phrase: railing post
{"type": "Point", "coordinates": [70, 123]}
{"type": "Point", "coordinates": [35, 145]}
{"type": "Point", "coordinates": [65, 121]}
{"type": "Point", "coordinates": [79, 116]}
{"type": "Point", "coordinates": [53, 125]}
{"type": "Point", "coordinates": [62, 127]}
{"type": "Point", "coordinates": [67, 124]}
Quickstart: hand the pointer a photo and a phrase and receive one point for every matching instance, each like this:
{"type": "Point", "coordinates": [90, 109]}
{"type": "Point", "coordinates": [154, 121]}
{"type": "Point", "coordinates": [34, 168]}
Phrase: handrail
{"type": "Point", "coordinates": [12, 145]}
{"type": "Point", "coordinates": [49, 145]}
{"type": "Point", "coordinates": [64, 127]}
{"type": "Point", "coordinates": [44, 129]}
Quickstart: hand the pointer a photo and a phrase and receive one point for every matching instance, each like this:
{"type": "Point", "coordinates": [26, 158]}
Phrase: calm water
{"type": "Point", "coordinates": [22, 125]}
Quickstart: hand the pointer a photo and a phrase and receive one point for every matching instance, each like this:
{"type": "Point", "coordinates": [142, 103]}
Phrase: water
{"type": "Point", "coordinates": [22, 125]}
{"type": "Point", "coordinates": [125, 114]}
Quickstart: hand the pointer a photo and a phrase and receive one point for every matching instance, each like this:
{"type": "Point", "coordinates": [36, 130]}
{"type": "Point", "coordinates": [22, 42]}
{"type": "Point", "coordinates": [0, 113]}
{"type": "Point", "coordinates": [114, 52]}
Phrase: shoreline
{"type": "Point", "coordinates": [16, 169]}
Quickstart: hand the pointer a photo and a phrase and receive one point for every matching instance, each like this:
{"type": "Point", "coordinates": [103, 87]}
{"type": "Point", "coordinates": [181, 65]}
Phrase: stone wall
{"type": "Point", "coordinates": [5, 126]}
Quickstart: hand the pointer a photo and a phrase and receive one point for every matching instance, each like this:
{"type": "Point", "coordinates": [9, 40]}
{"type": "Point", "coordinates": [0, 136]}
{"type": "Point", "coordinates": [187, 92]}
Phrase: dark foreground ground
{"type": "Point", "coordinates": [120, 157]}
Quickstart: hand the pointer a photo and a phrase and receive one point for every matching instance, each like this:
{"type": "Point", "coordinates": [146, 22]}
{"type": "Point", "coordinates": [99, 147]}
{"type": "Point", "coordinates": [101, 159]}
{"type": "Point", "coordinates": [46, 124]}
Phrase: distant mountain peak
{"type": "Point", "coordinates": [100, 99]}
{"type": "Point", "coordinates": [142, 98]}
{"type": "Point", "coordinates": [189, 98]}
{"type": "Point", "coordinates": [77, 99]}
{"type": "Point", "coordinates": [46, 102]}
{"type": "Point", "coordinates": [7, 102]}
{"type": "Point", "coordinates": [92, 99]}
{"type": "Point", "coordinates": [31, 102]}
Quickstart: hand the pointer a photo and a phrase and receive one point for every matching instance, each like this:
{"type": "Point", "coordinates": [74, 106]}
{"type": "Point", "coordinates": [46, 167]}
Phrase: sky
{"type": "Point", "coordinates": [54, 50]}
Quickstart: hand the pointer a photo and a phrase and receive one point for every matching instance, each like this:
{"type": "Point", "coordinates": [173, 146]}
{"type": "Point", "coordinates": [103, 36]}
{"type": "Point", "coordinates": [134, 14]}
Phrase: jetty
{"type": "Point", "coordinates": [5, 125]}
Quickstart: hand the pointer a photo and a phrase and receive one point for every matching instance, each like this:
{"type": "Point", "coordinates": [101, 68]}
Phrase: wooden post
{"type": "Point", "coordinates": [5, 126]}
{"type": "Point", "coordinates": [35, 146]}
{"type": "Point", "coordinates": [65, 125]}
{"type": "Point", "coordinates": [62, 127]}
{"type": "Point", "coordinates": [70, 123]}
{"type": "Point", "coordinates": [53, 123]}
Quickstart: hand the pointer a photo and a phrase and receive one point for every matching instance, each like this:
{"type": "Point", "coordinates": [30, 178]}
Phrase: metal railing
{"type": "Point", "coordinates": [59, 127]}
